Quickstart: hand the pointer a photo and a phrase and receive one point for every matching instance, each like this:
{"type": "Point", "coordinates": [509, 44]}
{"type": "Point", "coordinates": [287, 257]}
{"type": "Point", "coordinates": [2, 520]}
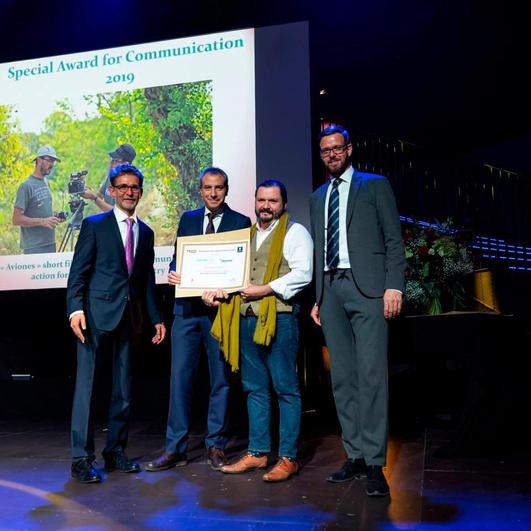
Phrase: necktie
{"type": "Point", "coordinates": [210, 226]}
{"type": "Point", "coordinates": [130, 245]}
{"type": "Point", "coordinates": [332, 232]}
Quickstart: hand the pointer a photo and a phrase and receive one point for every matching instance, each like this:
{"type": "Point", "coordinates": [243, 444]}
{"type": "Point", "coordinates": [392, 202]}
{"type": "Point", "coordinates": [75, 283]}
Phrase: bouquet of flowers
{"type": "Point", "coordinates": [438, 259]}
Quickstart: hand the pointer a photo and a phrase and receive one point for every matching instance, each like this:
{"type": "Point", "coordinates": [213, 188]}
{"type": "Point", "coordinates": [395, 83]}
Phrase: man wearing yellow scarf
{"type": "Point", "coordinates": [281, 266]}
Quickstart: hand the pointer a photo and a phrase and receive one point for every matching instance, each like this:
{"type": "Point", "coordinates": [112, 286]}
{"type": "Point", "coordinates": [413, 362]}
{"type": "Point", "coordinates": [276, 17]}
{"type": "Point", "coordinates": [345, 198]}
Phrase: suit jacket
{"type": "Point", "coordinates": [374, 238]}
{"type": "Point", "coordinates": [98, 282]}
{"type": "Point", "coordinates": [191, 224]}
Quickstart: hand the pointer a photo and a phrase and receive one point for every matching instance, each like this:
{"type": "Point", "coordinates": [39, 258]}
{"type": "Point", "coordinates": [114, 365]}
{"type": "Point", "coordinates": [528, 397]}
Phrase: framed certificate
{"type": "Point", "coordinates": [211, 261]}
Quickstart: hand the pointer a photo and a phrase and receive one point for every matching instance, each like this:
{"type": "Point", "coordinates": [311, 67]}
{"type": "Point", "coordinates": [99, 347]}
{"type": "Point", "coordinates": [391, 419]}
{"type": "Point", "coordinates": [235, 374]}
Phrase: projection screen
{"type": "Point", "coordinates": [182, 104]}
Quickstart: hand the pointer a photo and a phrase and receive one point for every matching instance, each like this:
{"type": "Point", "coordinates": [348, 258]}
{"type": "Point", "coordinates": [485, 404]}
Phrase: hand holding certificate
{"type": "Point", "coordinates": [213, 261]}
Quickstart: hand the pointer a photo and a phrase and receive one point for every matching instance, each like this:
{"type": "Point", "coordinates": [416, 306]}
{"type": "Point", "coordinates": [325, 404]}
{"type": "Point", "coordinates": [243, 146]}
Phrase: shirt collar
{"type": "Point", "coordinates": [346, 175]}
{"type": "Point", "coordinates": [120, 215]}
{"type": "Point", "coordinates": [218, 214]}
{"type": "Point", "coordinates": [268, 229]}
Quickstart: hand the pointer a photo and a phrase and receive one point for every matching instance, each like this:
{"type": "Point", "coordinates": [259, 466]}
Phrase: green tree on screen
{"type": "Point", "coordinates": [15, 166]}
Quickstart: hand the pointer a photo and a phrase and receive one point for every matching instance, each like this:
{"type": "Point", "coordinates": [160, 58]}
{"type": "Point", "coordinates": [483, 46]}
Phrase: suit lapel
{"type": "Point", "coordinates": [198, 222]}
{"type": "Point", "coordinates": [141, 242]}
{"type": "Point", "coordinates": [320, 210]}
{"type": "Point", "coordinates": [116, 238]}
{"type": "Point", "coordinates": [226, 220]}
{"type": "Point", "coordinates": [355, 184]}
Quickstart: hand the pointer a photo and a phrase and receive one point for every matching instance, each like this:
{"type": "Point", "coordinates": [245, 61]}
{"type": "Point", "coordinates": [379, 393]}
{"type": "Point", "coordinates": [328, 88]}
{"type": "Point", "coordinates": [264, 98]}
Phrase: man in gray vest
{"type": "Point", "coordinates": [281, 266]}
{"type": "Point", "coordinates": [359, 280]}
{"type": "Point", "coordinates": [33, 210]}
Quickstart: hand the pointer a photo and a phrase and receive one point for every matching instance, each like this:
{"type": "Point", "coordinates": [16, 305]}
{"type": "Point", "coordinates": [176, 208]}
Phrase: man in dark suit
{"type": "Point", "coordinates": [191, 328]}
{"type": "Point", "coordinates": [359, 268]}
{"type": "Point", "coordinates": [110, 288]}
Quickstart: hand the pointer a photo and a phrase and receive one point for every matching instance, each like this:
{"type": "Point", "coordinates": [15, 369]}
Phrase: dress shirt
{"type": "Point", "coordinates": [343, 188]}
{"type": "Point", "coordinates": [121, 219]}
{"type": "Point", "coordinates": [298, 253]}
{"type": "Point", "coordinates": [216, 221]}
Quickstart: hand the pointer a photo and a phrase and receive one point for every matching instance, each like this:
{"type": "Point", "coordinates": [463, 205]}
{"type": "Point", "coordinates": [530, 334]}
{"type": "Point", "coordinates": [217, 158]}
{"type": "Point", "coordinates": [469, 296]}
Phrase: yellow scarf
{"type": "Point", "coordinates": [226, 326]}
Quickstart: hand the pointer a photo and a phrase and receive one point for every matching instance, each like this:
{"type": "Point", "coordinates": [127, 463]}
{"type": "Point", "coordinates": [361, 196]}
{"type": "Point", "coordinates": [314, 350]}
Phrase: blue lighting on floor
{"type": "Point", "coordinates": [471, 510]}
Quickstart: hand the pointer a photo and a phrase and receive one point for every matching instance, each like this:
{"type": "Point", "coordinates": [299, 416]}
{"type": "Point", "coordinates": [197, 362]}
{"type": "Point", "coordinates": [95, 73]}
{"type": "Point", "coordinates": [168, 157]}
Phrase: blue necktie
{"type": "Point", "coordinates": [332, 232]}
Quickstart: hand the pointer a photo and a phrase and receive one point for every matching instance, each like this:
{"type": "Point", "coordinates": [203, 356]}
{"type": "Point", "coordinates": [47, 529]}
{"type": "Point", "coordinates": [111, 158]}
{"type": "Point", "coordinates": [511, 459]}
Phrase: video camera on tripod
{"type": "Point", "coordinates": [76, 186]}
{"type": "Point", "coordinates": [76, 183]}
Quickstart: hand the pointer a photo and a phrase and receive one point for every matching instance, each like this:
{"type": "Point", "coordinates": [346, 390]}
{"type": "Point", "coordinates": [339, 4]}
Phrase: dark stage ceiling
{"type": "Point", "coordinates": [447, 75]}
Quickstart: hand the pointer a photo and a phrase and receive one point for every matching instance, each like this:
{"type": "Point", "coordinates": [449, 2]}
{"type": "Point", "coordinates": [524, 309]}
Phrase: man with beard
{"type": "Point", "coordinates": [33, 210]}
{"type": "Point", "coordinates": [359, 272]}
{"type": "Point", "coordinates": [281, 266]}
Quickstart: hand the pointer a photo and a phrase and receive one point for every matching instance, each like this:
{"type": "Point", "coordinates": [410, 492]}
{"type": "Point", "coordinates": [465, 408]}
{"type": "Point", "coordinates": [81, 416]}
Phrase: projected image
{"type": "Point", "coordinates": [166, 131]}
{"type": "Point", "coordinates": [171, 108]}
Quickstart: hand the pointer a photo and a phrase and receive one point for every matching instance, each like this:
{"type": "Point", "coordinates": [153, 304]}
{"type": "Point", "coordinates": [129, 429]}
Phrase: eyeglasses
{"type": "Point", "coordinates": [123, 188]}
{"type": "Point", "coordinates": [337, 150]}
{"type": "Point", "coordinates": [48, 159]}
{"type": "Point", "coordinates": [118, 161]}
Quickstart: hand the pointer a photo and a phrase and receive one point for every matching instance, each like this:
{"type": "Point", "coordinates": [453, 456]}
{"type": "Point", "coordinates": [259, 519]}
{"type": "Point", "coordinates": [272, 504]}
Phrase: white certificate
{"type": "Point", "coordinates": [213, 261]}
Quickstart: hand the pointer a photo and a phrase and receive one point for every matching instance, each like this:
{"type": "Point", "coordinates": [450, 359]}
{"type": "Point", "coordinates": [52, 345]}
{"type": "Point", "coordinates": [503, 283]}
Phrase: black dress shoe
{"type": "Point", "coordinates": [84, 472]}
{"type": "Point", "coordinates": [216, 458]}
{"type": "Point", "coordinates": [118, 461]}
{"type": "Point", "coordinates": [376, 482]}
{"type": "Point", "coordinates": [166, 461]}
{"type": "Point", "coordinates": [351, 469]}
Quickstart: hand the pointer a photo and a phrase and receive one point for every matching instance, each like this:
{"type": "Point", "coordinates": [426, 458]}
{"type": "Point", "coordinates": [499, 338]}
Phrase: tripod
{"type": "Point", "coordinates": [74, 224]}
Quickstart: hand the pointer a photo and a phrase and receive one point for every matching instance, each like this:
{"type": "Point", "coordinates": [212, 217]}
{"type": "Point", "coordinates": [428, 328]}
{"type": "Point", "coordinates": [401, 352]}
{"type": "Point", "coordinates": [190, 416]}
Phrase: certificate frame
{"type": "Point", "coordinates": [188, 246]}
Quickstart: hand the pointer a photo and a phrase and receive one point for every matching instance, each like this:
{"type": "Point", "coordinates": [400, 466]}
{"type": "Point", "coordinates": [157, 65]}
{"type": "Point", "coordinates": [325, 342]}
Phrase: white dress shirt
{"type": "Point", "coordinates": [343, 188]}
{"type": "Point", "coordinates": [298, 253]}
{"type": "Point", "coordinates": [216, 221]}
{"type": "Point", "coordinates": [121, 218]}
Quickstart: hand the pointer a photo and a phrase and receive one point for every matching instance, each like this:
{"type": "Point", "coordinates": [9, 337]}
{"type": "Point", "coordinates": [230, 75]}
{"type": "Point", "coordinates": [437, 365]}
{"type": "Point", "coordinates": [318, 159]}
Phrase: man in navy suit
{"type": "Point", "coordinates": [191, 328]}
{"type": "Point", "coordinates": [359, 278]}
{"type": "Point", "coordinates": [111, 287]}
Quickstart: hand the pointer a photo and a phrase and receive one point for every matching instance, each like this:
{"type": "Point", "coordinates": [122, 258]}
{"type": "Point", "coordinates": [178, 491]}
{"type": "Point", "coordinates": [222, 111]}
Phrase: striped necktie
{"type": "Point", "coordinates": [332, 232]}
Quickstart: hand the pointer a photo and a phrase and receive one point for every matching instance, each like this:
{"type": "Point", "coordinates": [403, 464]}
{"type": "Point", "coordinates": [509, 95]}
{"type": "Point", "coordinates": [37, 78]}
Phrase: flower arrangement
{"type": "Point", "coordinates": [438, 259]}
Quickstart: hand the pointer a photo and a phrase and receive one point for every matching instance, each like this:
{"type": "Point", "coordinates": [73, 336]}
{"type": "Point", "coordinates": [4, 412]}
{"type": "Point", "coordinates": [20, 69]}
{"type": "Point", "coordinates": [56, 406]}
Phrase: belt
{"type": "Point", "coordinates": [250, 312]}
{"type": "Point", "coordinates": [339, 272]}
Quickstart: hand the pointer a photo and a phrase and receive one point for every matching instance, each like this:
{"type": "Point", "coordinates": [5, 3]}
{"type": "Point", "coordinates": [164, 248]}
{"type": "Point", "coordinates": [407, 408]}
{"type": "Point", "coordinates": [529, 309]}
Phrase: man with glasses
{"type": "Point", "coordinates": [359, 271]}
{"type": "Point", "coordinates": [110, 290]}
{"type": "Point", "coordinates": [33, 209]}
{"type": "Point", "coordinates": [103, 199]}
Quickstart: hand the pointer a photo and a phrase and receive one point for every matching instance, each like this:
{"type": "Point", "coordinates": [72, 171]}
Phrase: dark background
{"type": "Point", "coordinates": [449, 78]}
{"type": "Point", "coordinates": [452, 74]}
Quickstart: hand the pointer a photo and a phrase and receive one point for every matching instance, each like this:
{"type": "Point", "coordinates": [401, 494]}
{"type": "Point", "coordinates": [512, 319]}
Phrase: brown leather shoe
{"type": "Point", "coordinates": [166, 461]}
{"type": "Point", "coordinates": [216, 458]}
{"type": "Point", "coordinates": [283, 470]}
{"type": "Point", "coordinates": [245, 464]}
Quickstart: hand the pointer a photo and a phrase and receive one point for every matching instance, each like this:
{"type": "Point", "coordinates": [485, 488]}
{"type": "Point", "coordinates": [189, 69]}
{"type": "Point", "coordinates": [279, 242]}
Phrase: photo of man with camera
{"type": "Point", "coordinates": [123, 154]}
{"type": "Point", "coordinates": [33, 209]}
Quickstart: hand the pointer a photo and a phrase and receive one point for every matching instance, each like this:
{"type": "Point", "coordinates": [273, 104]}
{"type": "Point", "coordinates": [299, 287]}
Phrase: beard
{"type": "Point", "coordinates": [265, 216]}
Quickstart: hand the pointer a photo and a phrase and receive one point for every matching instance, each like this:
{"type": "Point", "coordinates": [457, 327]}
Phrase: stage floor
{"type": "Point", "coordinates": [36, 491]}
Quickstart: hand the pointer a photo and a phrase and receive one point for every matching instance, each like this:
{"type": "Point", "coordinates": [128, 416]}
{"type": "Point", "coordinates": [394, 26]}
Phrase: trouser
{"type": "Point", "coordinates": [356, 334]}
